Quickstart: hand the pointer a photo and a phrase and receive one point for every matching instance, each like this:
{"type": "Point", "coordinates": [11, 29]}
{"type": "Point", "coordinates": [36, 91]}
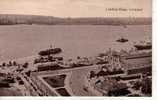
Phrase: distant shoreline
{"type": "Point", "coordinates": [13, 19]}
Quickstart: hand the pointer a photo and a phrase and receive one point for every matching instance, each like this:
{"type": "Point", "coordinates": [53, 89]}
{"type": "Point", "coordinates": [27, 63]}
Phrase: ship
{"type": "Point", "coordinates": [122, 40]}
{"type": "Point", "coordinates": [50, 51]}
{"type": "Point", "coordinates": [143, 46]}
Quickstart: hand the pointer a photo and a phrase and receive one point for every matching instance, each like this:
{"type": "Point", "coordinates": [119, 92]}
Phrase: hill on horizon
{"type": "Point", "coordinates": [13, 19]}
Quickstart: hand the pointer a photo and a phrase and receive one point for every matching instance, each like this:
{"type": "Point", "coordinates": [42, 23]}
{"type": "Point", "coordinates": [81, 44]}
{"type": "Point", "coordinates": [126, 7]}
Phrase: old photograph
{"type": "Point", "coordinates": [76, 48]}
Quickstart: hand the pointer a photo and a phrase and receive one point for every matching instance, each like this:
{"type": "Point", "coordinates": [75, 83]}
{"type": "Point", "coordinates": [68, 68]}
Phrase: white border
{"type": "Point", "coordinates": [154, 37]}
{"type": "Point", "coordinates": [154, 92]}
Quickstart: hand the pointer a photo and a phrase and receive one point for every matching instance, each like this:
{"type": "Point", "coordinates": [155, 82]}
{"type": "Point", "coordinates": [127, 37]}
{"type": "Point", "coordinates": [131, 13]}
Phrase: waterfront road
{"type": "Point", "coordinates": [76, 82]}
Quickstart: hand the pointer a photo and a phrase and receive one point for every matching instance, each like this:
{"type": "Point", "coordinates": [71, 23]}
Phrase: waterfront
{"type": "Point", "coordinates": [80, 81]}
{"type": "Point", "coordinates": [94, 54]}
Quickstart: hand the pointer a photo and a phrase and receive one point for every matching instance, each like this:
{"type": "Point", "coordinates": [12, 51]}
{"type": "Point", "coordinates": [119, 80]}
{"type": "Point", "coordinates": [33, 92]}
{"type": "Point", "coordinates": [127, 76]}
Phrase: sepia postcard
{"type": "Point", "coordinates": [69, 48]}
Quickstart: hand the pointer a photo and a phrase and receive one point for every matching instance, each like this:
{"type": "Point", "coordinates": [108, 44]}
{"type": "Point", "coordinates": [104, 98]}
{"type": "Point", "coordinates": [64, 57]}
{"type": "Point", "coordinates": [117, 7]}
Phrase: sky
{"type": "Point", "coordinates": [76, 8]}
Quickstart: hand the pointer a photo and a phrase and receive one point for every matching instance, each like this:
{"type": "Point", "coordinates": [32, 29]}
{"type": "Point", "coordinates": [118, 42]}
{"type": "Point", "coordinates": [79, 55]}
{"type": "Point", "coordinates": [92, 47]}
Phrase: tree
{"type": "Point", "coordinates": [10, 63]}
{"type": "Point", "coordinates": [92, 74]}
{"type": "Point", "coordinates": [78, 57]}
{"type": "Point", "coordinates": [25, 65]}
{"type": "Point", "coordinates": [3, 64]}
{"type": "Point", "coordinates": [14, 63]}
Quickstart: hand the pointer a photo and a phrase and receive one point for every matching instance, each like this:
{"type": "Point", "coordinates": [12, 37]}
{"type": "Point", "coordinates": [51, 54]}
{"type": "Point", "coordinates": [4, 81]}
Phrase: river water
{"type": "Point", "coordinates": [76, 40]}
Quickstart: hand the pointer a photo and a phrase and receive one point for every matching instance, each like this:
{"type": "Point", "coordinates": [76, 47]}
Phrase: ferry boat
{"type": "Point", "coordinates": [50, 51]}
{"type": "Point", "coordinates": [143, 46]}
{"type": "Point", "coordinates": [122, 40]}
